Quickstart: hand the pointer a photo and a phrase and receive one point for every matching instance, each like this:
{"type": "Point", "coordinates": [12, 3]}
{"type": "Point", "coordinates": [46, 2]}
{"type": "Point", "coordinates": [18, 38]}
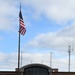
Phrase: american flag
{"type": "Point", "coordinates": [22, 28]}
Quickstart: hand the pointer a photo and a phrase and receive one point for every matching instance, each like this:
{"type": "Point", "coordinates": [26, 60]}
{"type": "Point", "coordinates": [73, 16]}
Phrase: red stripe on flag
{"type": "Point", "coordinates": [22, 26]}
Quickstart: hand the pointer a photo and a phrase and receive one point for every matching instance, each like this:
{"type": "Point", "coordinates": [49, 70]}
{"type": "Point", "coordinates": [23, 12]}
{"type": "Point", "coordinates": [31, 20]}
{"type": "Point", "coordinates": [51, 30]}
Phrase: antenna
{"type": "Point", "coordinates": [31, 61]}
{"type": "Point", "coordinates": [21, 58]}
{"type": "Point", "coordinates": [50, 59]}
{"type": "Point", "coordinates": [42, 61]}
{"type": "Point", "coordinates": [72, 46]}
{"type": "Point", "coordinates": [69, 51]}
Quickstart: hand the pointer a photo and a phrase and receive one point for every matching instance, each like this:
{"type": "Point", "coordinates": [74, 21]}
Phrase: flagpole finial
{"type": "Point", "coordinates": [20, 6]}
{"type": "Point", "coordinates": [20, 3]}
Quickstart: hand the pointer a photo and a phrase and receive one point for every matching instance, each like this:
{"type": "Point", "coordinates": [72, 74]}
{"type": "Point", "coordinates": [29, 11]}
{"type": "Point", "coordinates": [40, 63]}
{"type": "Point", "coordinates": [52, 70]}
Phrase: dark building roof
{"type": "Point", "coordinates": [36, 64]}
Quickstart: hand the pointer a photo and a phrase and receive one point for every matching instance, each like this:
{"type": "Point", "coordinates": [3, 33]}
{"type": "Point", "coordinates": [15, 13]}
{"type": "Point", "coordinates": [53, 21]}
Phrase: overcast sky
{"type": "Point", "coordinates": [50, 27]}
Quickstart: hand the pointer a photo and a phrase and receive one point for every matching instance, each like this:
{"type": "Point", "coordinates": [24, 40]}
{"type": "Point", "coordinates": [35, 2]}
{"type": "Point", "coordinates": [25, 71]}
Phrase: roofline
{"type": "Point", "coordinates": [36, 64]}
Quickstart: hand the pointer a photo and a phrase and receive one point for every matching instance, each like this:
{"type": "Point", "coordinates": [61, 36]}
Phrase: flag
{"type": "Point", "coordinates": [22, 29]}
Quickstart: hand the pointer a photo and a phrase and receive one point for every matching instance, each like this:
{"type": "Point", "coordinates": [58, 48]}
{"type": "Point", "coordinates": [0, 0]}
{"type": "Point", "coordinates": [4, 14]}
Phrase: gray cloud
{"type": "Point", "coordinates": [8, 14]}
{"type": "Point", "coordinates": [43, 58]}
{"type": "Point", "coordinates": [60, 11]}
{"type": "Point", "coordinates": [59, 40]}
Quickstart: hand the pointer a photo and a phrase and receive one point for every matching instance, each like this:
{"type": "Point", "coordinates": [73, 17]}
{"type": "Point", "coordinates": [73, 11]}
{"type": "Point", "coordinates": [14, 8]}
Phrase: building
{"type": "Point", "coordinates": [36, 69]}
{"type": "Point", "coordinates": [8, 73]}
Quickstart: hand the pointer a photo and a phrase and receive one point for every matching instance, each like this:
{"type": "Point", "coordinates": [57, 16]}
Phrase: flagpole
{"type": "Point", "coordinates": [19, 48]}
{"type": "Point", "coordinates": [22, 31]}
{"type": "Point", "coordinates": [19, 55]}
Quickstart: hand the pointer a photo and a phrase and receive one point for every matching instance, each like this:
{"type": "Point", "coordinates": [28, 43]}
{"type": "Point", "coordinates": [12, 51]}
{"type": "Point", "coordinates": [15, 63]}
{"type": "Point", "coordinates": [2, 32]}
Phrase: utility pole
{"type": "Point", "coordinates": [69, 51]}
